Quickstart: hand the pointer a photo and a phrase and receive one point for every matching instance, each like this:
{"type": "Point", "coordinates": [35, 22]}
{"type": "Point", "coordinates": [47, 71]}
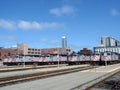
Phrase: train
{"type": "Point", "coordinates": [102, 58]}
{"type": "Point", "coordinates": [35, 60]}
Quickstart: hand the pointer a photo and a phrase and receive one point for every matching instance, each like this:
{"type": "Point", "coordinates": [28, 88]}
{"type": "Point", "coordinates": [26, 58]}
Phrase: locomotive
{"type": "Point", "coordinates": [72, 59]}
{"type": "Point", "coordinates": [96, 58]}
{"type": "Point", "coordinates": [35, 60]}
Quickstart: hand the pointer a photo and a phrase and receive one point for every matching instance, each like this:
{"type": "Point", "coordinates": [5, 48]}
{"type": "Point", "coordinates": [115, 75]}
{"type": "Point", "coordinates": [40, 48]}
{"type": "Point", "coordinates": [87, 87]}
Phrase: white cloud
{"type": "Point", "coordinates": [27, 25]}
{"type": "Point", "coordinates": [115, 12]}
{"type": "Point", "coordinates": [36, 25]}
{"type": "Point", "coordinates": [6, 24]}
{"type": "Point", "coordinates": [65, 10]}
{"type": "Point", "coordinates": [8, 38]}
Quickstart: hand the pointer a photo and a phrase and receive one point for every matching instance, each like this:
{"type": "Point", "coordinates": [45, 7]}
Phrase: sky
{"type": "Point", "coordinates": [42, 23]}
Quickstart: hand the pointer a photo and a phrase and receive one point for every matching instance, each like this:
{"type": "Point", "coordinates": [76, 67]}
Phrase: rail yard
{"type": "Point", "coordinates": [52, 77]}
{"type": "Point", "coordinates": [60, 45]}
{"type": "Point", "coordinates": [20, 76]}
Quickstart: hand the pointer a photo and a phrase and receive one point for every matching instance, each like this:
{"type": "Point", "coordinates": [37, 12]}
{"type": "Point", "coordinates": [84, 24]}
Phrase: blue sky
{"type": "Point", "coordinates": [42, 23]}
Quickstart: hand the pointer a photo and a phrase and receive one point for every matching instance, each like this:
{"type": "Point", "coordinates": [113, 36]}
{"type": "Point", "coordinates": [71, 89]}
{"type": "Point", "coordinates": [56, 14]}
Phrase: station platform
{"type": "Point", "coordinates": [31, 71]}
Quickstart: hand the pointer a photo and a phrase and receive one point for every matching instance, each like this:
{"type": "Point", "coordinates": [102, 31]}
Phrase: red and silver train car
{"type": "Point", "coordinates": [78, 59]}
{"type": "Point", "coordinates": [109, 58]}
{"type": "Point", "coordinates": [97, 58]}
{"type": "Point", "coordinates": [39, 60]}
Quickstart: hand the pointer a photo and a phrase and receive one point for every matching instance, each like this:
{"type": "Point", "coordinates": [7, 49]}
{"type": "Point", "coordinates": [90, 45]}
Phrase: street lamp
{"type": "Point", "coordinates": [24, 56]}
{"type": "Point", "coordinates": [105, 54]}
{"type": "Point", "coordinates": [58, 60]}
{"type": "Point", "coordinates": [57, 53]}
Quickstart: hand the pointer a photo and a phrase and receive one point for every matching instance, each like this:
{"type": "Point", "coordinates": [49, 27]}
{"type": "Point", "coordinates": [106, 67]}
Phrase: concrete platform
{"type": "Point", "coordinates": [1, 63]}
{"type": "Point", "coordinates": [8, 74]}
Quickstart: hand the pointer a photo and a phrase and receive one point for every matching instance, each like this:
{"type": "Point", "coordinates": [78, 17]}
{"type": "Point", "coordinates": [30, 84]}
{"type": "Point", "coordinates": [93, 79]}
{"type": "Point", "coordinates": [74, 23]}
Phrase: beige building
{"type": "Point", "coordinates": [34, 51]}
{"type": "Point", "coordinates": [23, 49]}
{"type": "Point", "coordinates": [38, 51]}
{"type": "Point", "coordinates": [28, 51]}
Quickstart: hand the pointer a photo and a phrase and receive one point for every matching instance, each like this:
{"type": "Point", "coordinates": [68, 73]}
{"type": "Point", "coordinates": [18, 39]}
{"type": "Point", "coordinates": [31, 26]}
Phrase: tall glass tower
{"type": "Point", "coordinates": [64, 42]}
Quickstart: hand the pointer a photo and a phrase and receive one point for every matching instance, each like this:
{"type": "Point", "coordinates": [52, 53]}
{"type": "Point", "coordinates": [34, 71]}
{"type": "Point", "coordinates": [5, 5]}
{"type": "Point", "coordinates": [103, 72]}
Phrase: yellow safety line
{"type": "Point", "coordinates": [95, 70]}
{"type": "Point", "coordinates": [114, 69]}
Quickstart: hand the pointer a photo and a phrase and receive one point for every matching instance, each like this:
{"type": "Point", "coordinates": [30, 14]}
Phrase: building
{"type": "Point", "coordinates": [34, 51]}
{"type": "Point", "coordinates": [40, 51]}
{"type": "Point", "coordinates": [64, 42]}
{"type": "Point", "coordinates": [23, 47]}
{"type": "Point", "coordinates": [108, 44]}
{"type": "Point", "coordinates": [28, 51]}
{"type": "Point", "coordinates": [9, 51]}
{"type": "Point", "coordinates": [106, 49]}
{"type": "Point", "coordinates": [85, 51]}
{"type": "Point", "coordinates": [54, 51]}
{"type": "Point", "coordinates": [109, 41]}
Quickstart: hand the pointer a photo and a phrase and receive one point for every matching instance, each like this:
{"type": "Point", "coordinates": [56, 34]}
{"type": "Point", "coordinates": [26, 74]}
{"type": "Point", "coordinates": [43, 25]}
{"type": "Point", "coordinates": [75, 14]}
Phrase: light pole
{"type": "Point", "coordinates": [57, 53]}
{"type": "Point", "coordinates": [18, 53]}
{"type": "Point", "coordinates": [58, 60]}
{"type": "Point", "coordinates": [106, 59]}
{"type": "Point", "coordinates": [24, 56]}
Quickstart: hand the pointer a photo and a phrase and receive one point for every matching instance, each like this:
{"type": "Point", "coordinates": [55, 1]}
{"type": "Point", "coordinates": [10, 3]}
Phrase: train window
{"type": "Point", "coordinates": [20, 56]}
{"type": "Point", "coordinates": [102, 54]}
{"type": "Point", "coordinates": [97, 54]}
{"type": "Point", "coordinates": [8, 56]}
{"type": "Point", "coordinates": [108, 53]}
{"type": "Point", "coordinates": [16, 57]}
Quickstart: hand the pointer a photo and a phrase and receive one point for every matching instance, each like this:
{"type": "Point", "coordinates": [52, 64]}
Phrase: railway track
{"type": "Point", "coordinates": [116, 86]}
{"type": "Point", "coordinates": [24, 78]}
{"type": "Point", "coordinates": [110, 83]}
{"type": "Point", "coordinates": [25, 68]}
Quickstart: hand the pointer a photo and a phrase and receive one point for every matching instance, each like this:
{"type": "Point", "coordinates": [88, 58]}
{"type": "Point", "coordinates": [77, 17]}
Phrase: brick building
{"type": "Point", "coordinates": [85, 51]}
{"type": "Point", "coordinates": [9, 51]}
{"type": "Point", "coordinates": [62, 51]}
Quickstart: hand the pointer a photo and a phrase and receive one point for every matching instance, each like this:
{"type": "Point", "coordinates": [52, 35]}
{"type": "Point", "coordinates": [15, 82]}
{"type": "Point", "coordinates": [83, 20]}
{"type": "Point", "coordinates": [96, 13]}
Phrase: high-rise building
{"type": "Point", "coordinates": [64, 42]}
{"type": "Point", "coordinates": [109, 41]}
{"type": "Point", "coordinates": [108, 44]}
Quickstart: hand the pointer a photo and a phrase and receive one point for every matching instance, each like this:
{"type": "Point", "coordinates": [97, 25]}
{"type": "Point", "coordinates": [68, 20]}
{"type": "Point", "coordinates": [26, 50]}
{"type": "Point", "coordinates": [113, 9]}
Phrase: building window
{"type": "Point", "coordinates": [118, 50]}
{"type": "Point", "coordinates": [29, 49]}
